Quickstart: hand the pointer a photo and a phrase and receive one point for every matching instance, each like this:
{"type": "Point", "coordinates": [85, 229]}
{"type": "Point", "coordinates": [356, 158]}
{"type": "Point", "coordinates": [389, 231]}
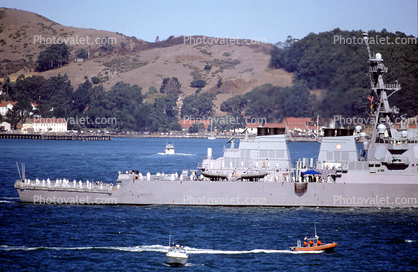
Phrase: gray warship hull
{"type": "Point", "coordinates": [378, 193]}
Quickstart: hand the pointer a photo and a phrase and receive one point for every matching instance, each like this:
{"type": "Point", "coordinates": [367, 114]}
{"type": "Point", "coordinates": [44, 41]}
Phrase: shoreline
{"type": "Point", "coordinates": [109, 136]}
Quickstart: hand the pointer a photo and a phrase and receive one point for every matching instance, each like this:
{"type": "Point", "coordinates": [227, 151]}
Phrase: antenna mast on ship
{"type": "Point", "coordinates": [379, 103]}
{"type": "Point", "coordinates": [18, 170]}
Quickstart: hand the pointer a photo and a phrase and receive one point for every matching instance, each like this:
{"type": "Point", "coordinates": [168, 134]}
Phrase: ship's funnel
{"type": "Point", "coordinates": [261, 131]}
{"type": "Point", "coordinates": [329, 132]}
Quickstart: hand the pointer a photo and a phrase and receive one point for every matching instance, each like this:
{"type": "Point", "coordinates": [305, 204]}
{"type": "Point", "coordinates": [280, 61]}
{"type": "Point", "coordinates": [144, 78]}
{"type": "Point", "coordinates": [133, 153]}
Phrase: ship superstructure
{"type": "Point", "coordinates": [264, 157]}
{"type": "Point", "coordinates": [391, 156]}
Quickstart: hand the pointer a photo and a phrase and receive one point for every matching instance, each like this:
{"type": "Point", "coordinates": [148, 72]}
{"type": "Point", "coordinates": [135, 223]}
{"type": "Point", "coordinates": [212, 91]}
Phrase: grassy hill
{"type": "Point", "coordinates": [242, 67]}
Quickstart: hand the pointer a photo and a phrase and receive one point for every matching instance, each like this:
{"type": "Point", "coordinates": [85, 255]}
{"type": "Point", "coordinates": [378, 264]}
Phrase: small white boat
{"type": "Point", "coordinates": [169, 149]}
{"type": "Point", "coordinates": [176, 256]}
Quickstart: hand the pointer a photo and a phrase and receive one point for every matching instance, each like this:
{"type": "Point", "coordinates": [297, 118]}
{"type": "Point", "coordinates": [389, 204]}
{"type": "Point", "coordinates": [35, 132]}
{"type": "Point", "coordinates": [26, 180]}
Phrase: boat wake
{"type": "Point", "coordinates": [176, 154]}
{"type": "Point", "coordinates": [9, 199]}
{"type": "Point", "coordinates": [235, 252]}
{"type": "Point", "coordinates": [156, 248]}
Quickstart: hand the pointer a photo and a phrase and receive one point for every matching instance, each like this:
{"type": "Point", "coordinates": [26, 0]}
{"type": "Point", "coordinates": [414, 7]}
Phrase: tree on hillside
{"type": "Point", "coordinates": [198, 106]}
{"type": "Point", "coordinates": [298, 102]}
{"type": "Point", "coordinates": [159, 121]}
{"type": "Point", "coordinates": [53, 57]}
{"type": "Point", "coordinates": [107, 44]}
{"type": "Point", "coordinates": [219, 84]}
{"type": "Point", "coordinates": [279, 57]}
{"type": "Point", "coordinates": [164, 114]}
{"type": "Point", "coordinates": [152, 90]}
{"type": "Point", "coordinates": [19, 113]}
{"type": "Point", "coordinates": [271, 103]}
{"type": "Point", "coordinates": [81, 97]}
{"type": "Point", "coordinates": [121, 103]}
{"type": "Point", "coordinates": [5, 87]}
{"type": "Point", "coordinates": [234, 105]}
{"type": "Point", "coordinates": [198, 83]}
{"type": "Point", "coordinates": [265, 101]}
{"type": "Point", "coordinates": [54, 97]}
{"type": "Point", "coordinates": [51, 95]}
{"type": "Point", "coordinates": [171, 86]}
{"type": "Point", "coordinates": [27, 88]}
{"type": "Point", "coordinates": [142, 117]}
{"type": "Point", "coordinates": [82, 54]}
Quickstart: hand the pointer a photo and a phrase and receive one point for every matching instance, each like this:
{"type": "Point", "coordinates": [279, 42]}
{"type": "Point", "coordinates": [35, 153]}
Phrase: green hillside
{"type": "Point", "coordinates": [336, 62]}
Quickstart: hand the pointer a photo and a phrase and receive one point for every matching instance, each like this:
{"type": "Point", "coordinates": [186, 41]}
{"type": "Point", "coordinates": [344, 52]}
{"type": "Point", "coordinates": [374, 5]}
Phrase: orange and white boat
{"type": "Point", "coordinates": [314, 244]}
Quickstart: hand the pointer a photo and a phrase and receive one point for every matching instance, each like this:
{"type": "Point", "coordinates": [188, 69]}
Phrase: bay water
{"type": "Point", "coordinates": [135, 238]}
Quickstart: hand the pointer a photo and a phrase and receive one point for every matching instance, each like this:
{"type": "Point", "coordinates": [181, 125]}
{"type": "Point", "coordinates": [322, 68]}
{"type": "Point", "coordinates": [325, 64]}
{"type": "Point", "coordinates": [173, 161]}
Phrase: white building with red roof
{"type": "Point", "coordinates": [48, 124]}
{"type": "Point", "coordinates": [5, 106]}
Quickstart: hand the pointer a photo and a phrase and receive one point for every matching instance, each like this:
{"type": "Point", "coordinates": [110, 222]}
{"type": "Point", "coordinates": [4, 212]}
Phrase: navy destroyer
{"type": "Point", "coordinates": [259, 172]}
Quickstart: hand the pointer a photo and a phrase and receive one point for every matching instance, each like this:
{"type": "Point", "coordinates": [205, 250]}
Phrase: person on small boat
{"type": "Point", "coordinates": [319, 242]}
{"type": "Point", "coordinates": [310, 243]}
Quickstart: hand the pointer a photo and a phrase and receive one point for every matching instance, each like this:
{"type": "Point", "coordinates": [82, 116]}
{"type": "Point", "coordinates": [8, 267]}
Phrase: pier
{"type": "Point", "coordinates": [56, 136]}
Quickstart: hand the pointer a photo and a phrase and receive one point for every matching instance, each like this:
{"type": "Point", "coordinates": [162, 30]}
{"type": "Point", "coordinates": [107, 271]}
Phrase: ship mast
{"type": "Point", "coordinates": [378, 97]}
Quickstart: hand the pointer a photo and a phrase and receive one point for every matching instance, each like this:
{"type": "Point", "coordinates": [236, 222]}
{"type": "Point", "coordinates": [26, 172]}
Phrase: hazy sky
{"type": "Point", "coordinates": [272, 20]}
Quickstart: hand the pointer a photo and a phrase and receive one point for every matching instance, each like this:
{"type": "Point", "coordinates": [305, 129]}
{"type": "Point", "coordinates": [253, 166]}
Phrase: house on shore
{"type": "Point", "coordinates": [39, 125]}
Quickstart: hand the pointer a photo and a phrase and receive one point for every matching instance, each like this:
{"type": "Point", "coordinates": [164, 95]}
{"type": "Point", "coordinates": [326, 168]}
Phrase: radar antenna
{"type": "Point", "coordinates": [366, 41]}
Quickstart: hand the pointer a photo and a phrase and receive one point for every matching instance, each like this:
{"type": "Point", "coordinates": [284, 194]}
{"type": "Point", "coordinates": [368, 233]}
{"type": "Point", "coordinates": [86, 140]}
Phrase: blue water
{"type": "Point", "coordinates": [134, 238]}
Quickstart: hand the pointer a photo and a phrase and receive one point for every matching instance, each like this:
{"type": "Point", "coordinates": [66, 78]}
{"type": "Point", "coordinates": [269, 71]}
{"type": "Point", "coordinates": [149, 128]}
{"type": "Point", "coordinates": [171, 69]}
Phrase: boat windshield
{"type": "Point", "coordinates": [179, 250]}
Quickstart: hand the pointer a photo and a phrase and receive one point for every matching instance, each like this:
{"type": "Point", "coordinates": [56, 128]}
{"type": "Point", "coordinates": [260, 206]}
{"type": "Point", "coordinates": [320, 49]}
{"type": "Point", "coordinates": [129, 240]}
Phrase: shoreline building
{"type": "Point", "coordinates": [48, 124]}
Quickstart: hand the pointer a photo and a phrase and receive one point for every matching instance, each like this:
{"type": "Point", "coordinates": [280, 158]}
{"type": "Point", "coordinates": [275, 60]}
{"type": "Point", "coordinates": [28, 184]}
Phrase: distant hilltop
{"type": "Point", "coordinates": [242, 65]}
